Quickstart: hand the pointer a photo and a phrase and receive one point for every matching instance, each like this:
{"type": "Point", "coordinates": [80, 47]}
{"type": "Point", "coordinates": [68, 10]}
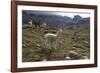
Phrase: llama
{"type": "Point", "coordinates": [36, 23]}
{"type": "Point", "coordinates": [51, 39]}
{"type": "Point", "coordinates": [44, 25]}
{"type": "Point", "coordinates": [30, 22]}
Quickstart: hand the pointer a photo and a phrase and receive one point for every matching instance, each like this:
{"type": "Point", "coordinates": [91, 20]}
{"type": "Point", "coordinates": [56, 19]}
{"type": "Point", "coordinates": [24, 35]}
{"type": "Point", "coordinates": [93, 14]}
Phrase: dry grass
{"type": "Point", "coordinates": [33, 47]}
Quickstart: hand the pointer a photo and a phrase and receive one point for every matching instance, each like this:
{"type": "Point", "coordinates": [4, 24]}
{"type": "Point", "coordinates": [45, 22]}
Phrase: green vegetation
{"type": "Point", "coordinates": [71, 39]}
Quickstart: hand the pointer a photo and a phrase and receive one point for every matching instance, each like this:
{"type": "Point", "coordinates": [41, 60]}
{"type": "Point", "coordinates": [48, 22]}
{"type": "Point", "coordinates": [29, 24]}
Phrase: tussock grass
{"type": "Point", "coordinates": [33, 44]}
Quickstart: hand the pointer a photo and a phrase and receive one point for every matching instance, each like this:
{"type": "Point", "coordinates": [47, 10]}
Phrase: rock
{"type": "Point", "coordinates": [73, 52]}
{"type": "Point", "coordinates": [73, 47]}
{"type": "Point", "coordinates": [68, 58]}
{"type": "Point", "coordinates": [86, 42]}
{"type": "Point", "coordinates": [73, 55]}
{"type": "Point", "coordinates": [24, 45]}
{"type": "Point", "coordinates": [74, 44]}
{"type": "Point", "coordinates": [44, 59]}
{"type": "Point", "coordinates": [38, 45]}
{"type": "Point", "coordinates": [85, 57]}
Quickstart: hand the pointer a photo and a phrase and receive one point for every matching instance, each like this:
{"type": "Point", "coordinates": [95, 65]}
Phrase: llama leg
{"type": "Point", "coordinates": [49, 43]}
{"type": "Point", "coordinates": [55, 44]}
{"type": "Point", "coordinates": [52, 44]}
{"type": "Point", "coordinates": [45, 43]}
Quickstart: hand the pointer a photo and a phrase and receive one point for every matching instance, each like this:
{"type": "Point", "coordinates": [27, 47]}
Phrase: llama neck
{"type": "Point", "coordinates": [58, 33]}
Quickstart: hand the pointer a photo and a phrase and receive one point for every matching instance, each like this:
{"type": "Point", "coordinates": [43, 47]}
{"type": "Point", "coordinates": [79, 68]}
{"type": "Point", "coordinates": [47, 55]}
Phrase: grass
{"type": "Point", "coordinates": [71, 39]}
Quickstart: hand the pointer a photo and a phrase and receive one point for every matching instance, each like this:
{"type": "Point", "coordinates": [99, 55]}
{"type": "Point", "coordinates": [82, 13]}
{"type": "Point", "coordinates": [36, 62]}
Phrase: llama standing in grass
{"type": "Point", "coordinates": [51, 39]}
{"type": "Point", "coordinates": [44, 25]}
{"type": "Point", "coordinates": [30, 22]}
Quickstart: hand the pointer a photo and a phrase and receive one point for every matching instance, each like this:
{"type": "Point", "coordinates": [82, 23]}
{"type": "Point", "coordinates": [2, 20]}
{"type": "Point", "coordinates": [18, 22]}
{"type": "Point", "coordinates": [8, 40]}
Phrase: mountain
{"type": "Point", "coordinates": [77, 18]}
{"type": "Point", "coordinates": [53, 20]}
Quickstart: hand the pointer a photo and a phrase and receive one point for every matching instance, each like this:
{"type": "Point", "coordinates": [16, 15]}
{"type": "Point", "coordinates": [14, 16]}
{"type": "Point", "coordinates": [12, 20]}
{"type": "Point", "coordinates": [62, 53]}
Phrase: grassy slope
{"type": "Point", "coordinates": [33, 47]}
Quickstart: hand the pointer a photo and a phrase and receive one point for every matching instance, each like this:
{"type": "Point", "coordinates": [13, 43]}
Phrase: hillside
{"type": "Point", "coordinates": [72, 38]}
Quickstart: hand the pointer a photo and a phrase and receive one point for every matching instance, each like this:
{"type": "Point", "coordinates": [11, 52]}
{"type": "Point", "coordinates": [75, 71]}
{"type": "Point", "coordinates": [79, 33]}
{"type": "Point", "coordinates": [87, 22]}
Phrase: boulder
{"type": "Point", "coordinates": [73, 55]}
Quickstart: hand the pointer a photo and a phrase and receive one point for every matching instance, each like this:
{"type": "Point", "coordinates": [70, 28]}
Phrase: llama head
{"type": "Point", "coordinates": [59, 32]}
